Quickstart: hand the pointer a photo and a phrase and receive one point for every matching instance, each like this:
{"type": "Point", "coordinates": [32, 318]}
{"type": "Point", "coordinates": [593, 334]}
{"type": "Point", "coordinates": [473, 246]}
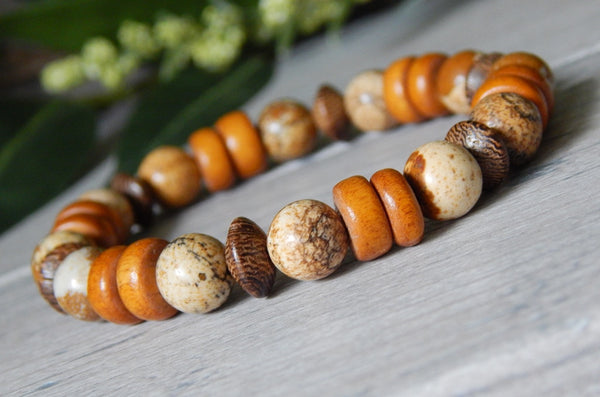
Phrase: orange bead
{"type": "Point", "coordinates": [401, 205]}
{"type": "Point", "coordinates": [172, 174]}
{"type": "Point", "coordinates": [98, 228]}
{"type": "Point", "coordinates": [517, 85]}
{"type": "Point", "coordinates": [114, 200]}
{"type": "Point", "coordinates": [525, 59]}
{"type": "Point", "coordinates": [452, 81]}
{"type": "Point", "coordinates": [422, 81]}
{"type": "Point", "coordinates": [102, 291]}
{"type": "Point", "coordinates": [243, 143]}
{"type": "Point", "coordinates": [136, 280]}
{"type": "Point", "coordinates": [97, 209]}
{"type": "Point", "coordinates": [364, 216]}
{"type": "Point", "coordinates": [395, 93]}
{"type": "Point", "coordinates": [212, 159]}
{"type": "Point", "coordinates": [533, 75]}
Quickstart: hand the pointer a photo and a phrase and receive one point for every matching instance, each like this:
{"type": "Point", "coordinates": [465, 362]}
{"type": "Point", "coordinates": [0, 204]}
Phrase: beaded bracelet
{"type": "Point", "coordinates": [82, 267]}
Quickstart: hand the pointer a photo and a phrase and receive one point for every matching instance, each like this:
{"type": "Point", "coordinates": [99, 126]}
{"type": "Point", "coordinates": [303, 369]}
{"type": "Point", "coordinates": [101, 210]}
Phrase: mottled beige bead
{"type": "Point", "coordinates": [307, 240]}
{"type": "Point", "coordinates": [446, 179]}
{"type": "Point", "coordinates": [364, 103]}
{"type": "Point", "coordinates": [191, 273]}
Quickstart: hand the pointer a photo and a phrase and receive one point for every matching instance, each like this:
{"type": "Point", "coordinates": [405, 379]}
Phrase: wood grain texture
{"type": "Point", "coordinates": [502, 302]}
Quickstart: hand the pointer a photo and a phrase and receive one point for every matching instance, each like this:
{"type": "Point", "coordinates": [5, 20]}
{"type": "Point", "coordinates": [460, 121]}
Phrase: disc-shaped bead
{"type": "Point", "coordinates": [395, 91]}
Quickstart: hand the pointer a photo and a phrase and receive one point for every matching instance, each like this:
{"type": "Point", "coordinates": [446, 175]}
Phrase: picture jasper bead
{"type": "Point", "coordinates": [191, 273]}
{"type": "Point", "coordinates": [307, 240]}
{"type": "Point", "coordinates": [329, 114]}
{"type": "Point", "coordinates": [488, 148]}
{"type": "Point", "coordinates": [247, 258]}
{"type": "Point", "coordinates": [364, 103]}
{"type": "Point", "coordinates": [446, 179]}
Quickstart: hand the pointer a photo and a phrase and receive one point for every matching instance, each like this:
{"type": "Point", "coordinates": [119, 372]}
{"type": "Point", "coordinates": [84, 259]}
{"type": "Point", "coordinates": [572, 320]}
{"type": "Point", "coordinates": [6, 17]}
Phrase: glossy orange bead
{"type": "Point", "coordinates": [243, 143]}
{"type": "Point", "coordinates": [395, 92]}
{"type": "Point", "coordinates": [114, 200]}
{"type": "Point", "coordinates": [422, 85]}
{"type": "Point", "coordinates": [97, 209]}
{"type": "Point", "coordinates": [98, 228]}
{"type": "Point", "coordinates": [452, 81]}
{"type": "Point", "coordinates": [136, 280]}
{"type": "Point", "coordinates": [102, 291]}
{"type": "Point", "coordinates": [531, 74]}
{"type": "Point", "coordinates": [212, 159]}
{"type": "Point", "coordinates": [401, 205]}
{"type": "Point", "coordinates": [525, 59]}
{"type": "Point", "coordinates": [364, 217]}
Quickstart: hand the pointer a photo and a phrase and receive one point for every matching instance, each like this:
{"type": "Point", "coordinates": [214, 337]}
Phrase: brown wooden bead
{"type": "Point", "coordinates": [480, 70]}
{"type": "Point", "coordinates": [287, 130]}
{"type": "Point", "coordinates": [488, 148]}
{"type": "Point", "coordinates": [173, 175]}
{"type": "Point", "coordinates": [329, 114]}
{"type": "Point", "coordinates": [395, 91]}
{"type": "Point", "coordinates": [136, 280]}
{"type": "Point", "coordinates": [531, 74]}
{"type": "Point", "coordinates": [525, 59]}
{"type": "Point", "coordinates": [98, 228]}
{"type": "Point", "coordinates": [140, 195]}
{"type": "Point", "coordinates": [421, 84]}
{"type": "Point", "coordinates": [401, 205]}
{"type": "Point", "coordinates": [102, 291]}
{"type": "Point", "coordinates": [364, 103]}
{"type": "Point", "coordinates": [97, 209]}
{"type": "Point", "coordinates": [212, 159]}
{"type": "Point", "coordinates": [452, 81]}
{"type": "Point", "coordinates": [247, 258]}
{"type": "Point", "coordinates": [516, 119]}
{"type": "Point", "coordinates": [365, 218]}
{"type": "Point", "coordinates": [114, 200]}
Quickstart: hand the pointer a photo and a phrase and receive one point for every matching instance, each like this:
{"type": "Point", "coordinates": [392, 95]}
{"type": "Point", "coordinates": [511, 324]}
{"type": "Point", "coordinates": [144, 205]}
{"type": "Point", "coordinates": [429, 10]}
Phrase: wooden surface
{"type": "Point", "coordinates": [505, 301]}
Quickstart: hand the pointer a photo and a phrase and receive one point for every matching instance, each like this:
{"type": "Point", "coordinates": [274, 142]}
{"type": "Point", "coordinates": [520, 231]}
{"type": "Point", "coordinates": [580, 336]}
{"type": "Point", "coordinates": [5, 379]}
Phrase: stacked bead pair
{"type": "Point", "coordinates": [509, 98]}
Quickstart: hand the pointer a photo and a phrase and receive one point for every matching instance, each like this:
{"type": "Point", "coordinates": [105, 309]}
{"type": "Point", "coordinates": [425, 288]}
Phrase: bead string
{"type": "Point", "coordinates": [83, 268]}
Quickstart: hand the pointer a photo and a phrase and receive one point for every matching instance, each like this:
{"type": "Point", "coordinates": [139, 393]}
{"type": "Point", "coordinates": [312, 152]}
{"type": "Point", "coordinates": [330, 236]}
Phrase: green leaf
{"type": "Point", "coordinates": [43, 158]}
{"type": "Point", "coordinates": [194, 99]}
{"type": "Point", "coordinates": [14, 113]}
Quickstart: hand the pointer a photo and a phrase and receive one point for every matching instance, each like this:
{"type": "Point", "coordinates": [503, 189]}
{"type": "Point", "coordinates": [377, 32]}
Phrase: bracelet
{"type": "Point", "coordinates": [83, 267]}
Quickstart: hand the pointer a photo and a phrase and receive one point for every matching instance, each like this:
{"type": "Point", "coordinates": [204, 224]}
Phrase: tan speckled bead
{"type": "Point", "coordinates": [173, 175]}
{"type": "Point", "coordinates": [364, 103]}
{"type": "Point", "coordinates": [115, 200]}
{"type": "Point", "coordinates": [446, 179]}
{"type": "Point", "coordinates": [70, 283]}
{"type": "Point", "coordinates": [191, 273]}
{"type": "Point", "coordinates": [307, 240]}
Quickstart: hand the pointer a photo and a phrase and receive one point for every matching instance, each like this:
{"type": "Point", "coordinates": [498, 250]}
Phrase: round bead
{"type": "Point", "coordinates": [102, 291]}
{"type": "Point", "coordinates": [452, 81]}
{"type": "Point", "coordinates": [395, 92]}
{"type": "Point", "coordinates": [421, 84]}
{"type": "Point", "coordinates": [99, 229]}
{"type": "Point", "coordinates": [247, 258]}
{"type": "Point", "coordinates": [446, 179]}
{"type": "Point", "coordinates": [401, 205]}
{"type": "Point", "coordinates": [172, 174]}
{"type": "Point", "coordinates": [243, 143]}
{"type": "Point", "coordinates": [488, 148]}
{"type": "Point", "coordinates": [136, 280]}
{"type": "Point", "coordinates": [525, 59]}
{"type": "Point", "coordinates": [54, 240]}
{"type": "Point", "coordinates": [140, 196]}
{"type": "Point", "coordinates": [364, 103]}
{"type": "Point", "coordinates": [307, 240]}
{"type": "Point", "coordinates": [287, 130]}
{"type": "Point", "coordinates": [364, 216]}
{"type": "Point", "coordinates": [329, 114]}
{"type": "Point", "coordinates": [516, 119]}
{"type": "Point", "coordinates": [480, 70]}
{"type": "Point", "coordinates": [533, 75]}
{"type": "Point", "coordinates": [192, 275]}
{"type": "Point", "coordinates": [212, 159]}
{"type": "Point", "coordinates": [70, 283]}
{"type": "Point", "coordinates": [114, 200]}
{"type": "Point", "coordinates": [97, 209]}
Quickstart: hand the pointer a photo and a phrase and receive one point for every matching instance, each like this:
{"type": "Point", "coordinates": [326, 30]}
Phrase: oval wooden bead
{"type": "Point", "coordinates": [70, 283]}
{"type": "Point", "coordinates": [247, 258]}
{"type": "Point", "coordinates": [243, 143]}
{"type": "Point", "coordinates": [99, 229]}
{"type": "Point", "coordinates": [97, 209]}
{"type": "Point", "coordinates": [172, 174]}
{"type": "Point", "coordinates": [531, 74]}
{"type": "Point", "coordinates": [525, 59]}
{"type": "Point", "coordinates": [102, 290]}
{"type": "Point", "coordinates": [114, 200]}
{"type": "Point", "coordinates": [140, 196]}
{"type": "Point", "coordinates": [422, 89]}
{"type": "Point", "coordinates": [136, 280]}
{"type": "Point", "coordinates": [479, 72]}
{"type": "Point", "coordinates": [488, 148]}
{"type": "Point", "coordinates": [364, 103]}
{"type": "Point", "coordinates": [329, 114]}
{"type": "Point", "coordinates": [451, 81]}
{"type": "Point", "coordinates": [395, 92]}
{"type": "Point", "coordinates": [516, 119]}
{"type": "Point", "coordinates": [212, 159]}
{"type": "Point", "coordinates": [287, 130]}
{"type": "Point", "coordinates": [364, 216]}
{"type": "Point", "coordinates": [445, 178]}
{"type": "Point", "coordinates": [401, 206]}
{"type": "Point", "coordinates": [191, 273]}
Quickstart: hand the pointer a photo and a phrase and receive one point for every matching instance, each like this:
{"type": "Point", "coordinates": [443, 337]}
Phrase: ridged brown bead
{"type": "Point", "coordinates": [488, 148]}
{"type": "Point", "coordinates": [247, 258]}
{"type": "Point", "coordinates": [329, 114]}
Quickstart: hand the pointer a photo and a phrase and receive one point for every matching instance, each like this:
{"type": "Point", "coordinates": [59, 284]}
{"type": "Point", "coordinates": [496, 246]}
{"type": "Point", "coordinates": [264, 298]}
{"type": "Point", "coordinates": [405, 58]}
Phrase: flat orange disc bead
{"type": "Point", "coordinates": [98, 228]}
{"type": "Point", "coordinates": [212, 159]}
{"type": "Point", "coordinates": [422, 81]}
{"type": "Point", "coordinates": [136, 280]}
{"type": "Point", "coordinates": [525, 59]}
{"type": "Point", "coordinates": [531, 74]}
{"type": "Point", "coordinates": [401, 205]}
{"type": "Point", "coordinates": [243, 143]}
{"type": "Point", "coordinates": [452, 81]}
{"type": "Point", "coordinates": [94, 208]}
{"type": "Point", "coordinates": [102, 291]}
{"type": "Point", "coordinates": [364, 216]}
{"type": "Point", "coordinates": [395, 93]}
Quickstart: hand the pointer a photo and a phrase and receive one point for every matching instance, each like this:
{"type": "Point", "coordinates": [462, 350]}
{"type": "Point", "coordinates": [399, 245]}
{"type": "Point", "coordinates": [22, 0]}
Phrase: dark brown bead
{"type": "Point", "coordinates": [140, 195]}
{"type": "Point", "coordinates": [329, 114]}
{"type": "Point", "coordinates": [482, 66]}
{"type": "Point", "coordinates": [247, 258]}
{"type": "Point", "coordinates": [488, 148]}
